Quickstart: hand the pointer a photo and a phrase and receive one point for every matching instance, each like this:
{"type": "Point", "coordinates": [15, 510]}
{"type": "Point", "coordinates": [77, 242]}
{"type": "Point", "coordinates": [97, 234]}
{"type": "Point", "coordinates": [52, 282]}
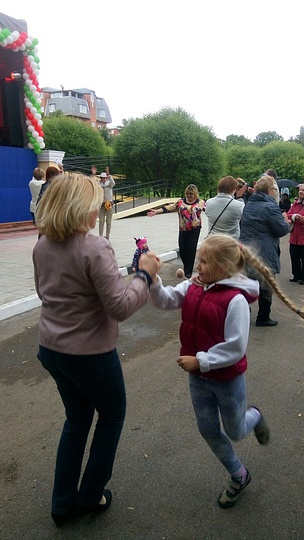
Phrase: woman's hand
{"type": "Point", "coordinates": [188, 363]}
{"type": "Point", "coordinates": [150, 263]}
{"type": "Point", "coordinates": [151, 213]}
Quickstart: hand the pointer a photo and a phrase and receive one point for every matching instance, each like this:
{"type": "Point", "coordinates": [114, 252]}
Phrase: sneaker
{"type": "Point", "coordinates": [261, 430]}
{"type": "Point", "coordinates": [230, 495]}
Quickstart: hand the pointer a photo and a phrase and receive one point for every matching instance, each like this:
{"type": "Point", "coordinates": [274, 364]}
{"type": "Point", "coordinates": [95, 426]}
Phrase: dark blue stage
{"type": "Point", "coordinates": [16, 170]}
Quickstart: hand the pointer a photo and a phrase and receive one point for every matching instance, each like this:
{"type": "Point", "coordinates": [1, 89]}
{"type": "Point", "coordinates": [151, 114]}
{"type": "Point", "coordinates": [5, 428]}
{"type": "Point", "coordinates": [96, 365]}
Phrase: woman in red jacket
{"type": "Point", "coordinates": [296, 239]}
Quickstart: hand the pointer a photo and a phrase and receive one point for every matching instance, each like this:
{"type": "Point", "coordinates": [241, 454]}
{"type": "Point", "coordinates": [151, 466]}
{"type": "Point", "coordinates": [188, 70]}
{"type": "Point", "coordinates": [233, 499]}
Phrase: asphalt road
{"type": "Point", "coordinates": [165, 481]}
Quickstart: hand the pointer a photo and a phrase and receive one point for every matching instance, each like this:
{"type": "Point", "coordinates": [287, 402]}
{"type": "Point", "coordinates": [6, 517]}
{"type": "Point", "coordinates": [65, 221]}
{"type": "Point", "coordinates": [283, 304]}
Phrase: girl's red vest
{"type": "Point", "coordinates": [203, 320]}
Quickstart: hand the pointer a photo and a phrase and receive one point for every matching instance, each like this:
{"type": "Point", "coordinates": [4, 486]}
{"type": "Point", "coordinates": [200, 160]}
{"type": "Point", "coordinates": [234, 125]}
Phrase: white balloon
{"type": "Point", "coordinates": [3, 43]}
{"type": "Point", "coordinates": [30, 145]}
{"type": "Point", "coordinates": [15, 35]}
{"type": "Point", "coordinates": [40, 123]}
{"type": "Point", "coordinates": [28, 122]}
{"type": "Point", "coordinates": [39, 140]}
{"type": "Point", "coordinates": [36, 71]}
{"type": "Point", "coordinates": [33, 88]}
{"type": "Point", "coordinates": [30, 58]}
{"type": "Point", "coordinates": [9, 39]}
{"type": "Point", "coordinates": [28, 82]}
{"type": "Point", "coordinates": [22, 48]}
{"type": "Point", "coordinates": [28, 105]}
{"type": "Point", "coordinates": [42, 145]}
{"type": "Point", "coordinates": [31, 128]}
{"type": "Point", "coordinates": [37, 94]}
{"type": "Point", "coordinates": [35, 134]}
{"type": "Point", "coordinates": [25, 76]}
{"type": "Point", "coordinates": [37, 116]}
{"type": "Point", "coordinates": [28, 42]}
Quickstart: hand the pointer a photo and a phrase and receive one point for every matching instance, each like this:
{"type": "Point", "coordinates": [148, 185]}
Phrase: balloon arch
{"type": "Point", "coordinates": [21, 41]}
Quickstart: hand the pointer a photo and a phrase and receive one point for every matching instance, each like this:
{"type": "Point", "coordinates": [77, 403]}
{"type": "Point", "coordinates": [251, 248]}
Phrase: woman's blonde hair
{"type": "Point", "coordinates": [227, 253]}
{"type": "Point", "coordinates": [265, 183]}
{"type": "Point", "coordinates": [192, 189]}
{"type": "Point", "coordinates": [67, 205]}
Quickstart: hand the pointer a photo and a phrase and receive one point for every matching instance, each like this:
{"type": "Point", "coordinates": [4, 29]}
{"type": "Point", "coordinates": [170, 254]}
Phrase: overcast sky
{"type": "Point", "coordinates": [234, 65]}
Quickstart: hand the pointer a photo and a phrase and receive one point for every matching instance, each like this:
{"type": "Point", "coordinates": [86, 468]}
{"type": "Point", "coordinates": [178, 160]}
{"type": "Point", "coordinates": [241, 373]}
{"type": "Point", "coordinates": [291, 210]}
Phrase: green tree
{"type": "Point", "coordinates": [299, 138]}
{"type": "Point", "coordinates": [243, 162]}
{"type": "Point", "coordinates": [105, 133]}
{"type": "Point", "coordinates": [170, 146]}
{"type": "Point", "coordinates": [286, 158]}
{"type": "Point", "coordinates": [73, 137]}
{"type": "Point", "coordinates": [266, 137]}
{"type": "Point", "coordinates": [232, 140]}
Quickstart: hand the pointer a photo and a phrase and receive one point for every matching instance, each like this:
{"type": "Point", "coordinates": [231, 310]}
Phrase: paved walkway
{"type": "Point", "coordinates": [17, 290]}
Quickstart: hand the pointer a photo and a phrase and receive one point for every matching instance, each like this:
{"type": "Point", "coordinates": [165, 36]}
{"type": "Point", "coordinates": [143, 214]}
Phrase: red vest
{"type": "Point", "coordinates": [203, 319]}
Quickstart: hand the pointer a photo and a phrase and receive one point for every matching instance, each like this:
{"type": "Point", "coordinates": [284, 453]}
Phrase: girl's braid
{"type": "Point", "coordinates": [258, 265]}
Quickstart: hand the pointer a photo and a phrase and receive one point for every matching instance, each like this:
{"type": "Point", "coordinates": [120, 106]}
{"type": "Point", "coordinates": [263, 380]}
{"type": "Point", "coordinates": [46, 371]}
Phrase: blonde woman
{"type": "Point", "coordinates": [83, 298]}
{"type": "Point", "coordinates": [262, 226]}
{"type": "Point", "coordinates": [189, 210]}
{"type": "Point", "coordinates": [214, 335]}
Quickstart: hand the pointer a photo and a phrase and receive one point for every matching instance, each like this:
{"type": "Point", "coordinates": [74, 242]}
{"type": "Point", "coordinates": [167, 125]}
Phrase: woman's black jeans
{"type": "Point", "coordinates": [86, 384]}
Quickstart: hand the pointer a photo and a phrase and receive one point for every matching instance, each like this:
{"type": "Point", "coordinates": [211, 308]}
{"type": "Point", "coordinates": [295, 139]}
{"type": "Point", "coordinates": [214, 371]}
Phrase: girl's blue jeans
{"type": "Point", "coordinates": [212, 399]}
{"type": "Point", "coordinates": [86, 384]}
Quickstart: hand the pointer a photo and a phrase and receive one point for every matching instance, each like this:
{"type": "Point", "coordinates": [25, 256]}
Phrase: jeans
{"type": "Point", "coordinates": [86, 384]}
{"type": "Point", "coordinates": [264, 301]}
{"type": "Point", "coordinates": [187, 243]}
{"type": "Point", "coordinates": [265, 296]}
{"type": "Point", "coordinates": [211, 398]}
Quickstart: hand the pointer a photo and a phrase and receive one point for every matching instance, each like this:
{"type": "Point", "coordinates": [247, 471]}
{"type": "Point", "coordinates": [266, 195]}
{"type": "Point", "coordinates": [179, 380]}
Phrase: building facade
{"type": "Point", "coordinates": [80, 103]}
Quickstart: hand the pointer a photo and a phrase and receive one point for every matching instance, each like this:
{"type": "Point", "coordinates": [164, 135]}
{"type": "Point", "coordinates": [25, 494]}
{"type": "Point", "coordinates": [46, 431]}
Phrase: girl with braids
{"type": "Point", "coordinates": [214, 335]}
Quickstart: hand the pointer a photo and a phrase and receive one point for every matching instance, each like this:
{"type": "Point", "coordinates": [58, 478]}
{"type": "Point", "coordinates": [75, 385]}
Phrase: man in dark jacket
{"type": "Point", "coordinates": [262, 226]}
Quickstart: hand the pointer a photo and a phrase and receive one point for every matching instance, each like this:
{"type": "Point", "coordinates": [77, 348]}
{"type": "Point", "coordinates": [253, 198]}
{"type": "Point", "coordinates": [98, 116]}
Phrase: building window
{"type": "Point", "coordinates": [83, 109]}
{"type": "Point", "coordinates": [101, 113]}
{"type": "Point", "coordinates": [56, 94]}
{"type": "Point", "coordinates": [52, 108]}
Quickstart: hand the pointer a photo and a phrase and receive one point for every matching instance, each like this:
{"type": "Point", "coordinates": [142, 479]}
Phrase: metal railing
{"type": "Point", "coordinates": [134, 195]}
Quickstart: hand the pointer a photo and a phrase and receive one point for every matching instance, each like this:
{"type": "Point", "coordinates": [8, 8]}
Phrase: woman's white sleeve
{"type": "Point", "coordinates": [168, 297]}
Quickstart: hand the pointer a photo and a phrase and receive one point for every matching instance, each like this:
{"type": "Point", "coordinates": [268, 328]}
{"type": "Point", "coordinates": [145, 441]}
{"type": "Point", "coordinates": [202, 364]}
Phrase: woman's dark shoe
{"type": "Point", "coordinates": [97, 508]}
{"type": "Point", "coordinates": [61, 519]}
{"type": "Point", "coordinates": [293, 280]}
{"type": "Point", "coordinates": [269, 322]}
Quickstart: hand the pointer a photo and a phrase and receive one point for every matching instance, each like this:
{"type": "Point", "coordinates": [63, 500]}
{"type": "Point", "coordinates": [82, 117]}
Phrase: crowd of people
{"type": "Point", "coordinates": [84, 297]}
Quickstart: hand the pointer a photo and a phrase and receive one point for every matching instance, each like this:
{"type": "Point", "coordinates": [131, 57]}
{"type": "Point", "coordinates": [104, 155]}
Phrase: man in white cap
{"type": "Point", "coordinates": [106, 209]}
